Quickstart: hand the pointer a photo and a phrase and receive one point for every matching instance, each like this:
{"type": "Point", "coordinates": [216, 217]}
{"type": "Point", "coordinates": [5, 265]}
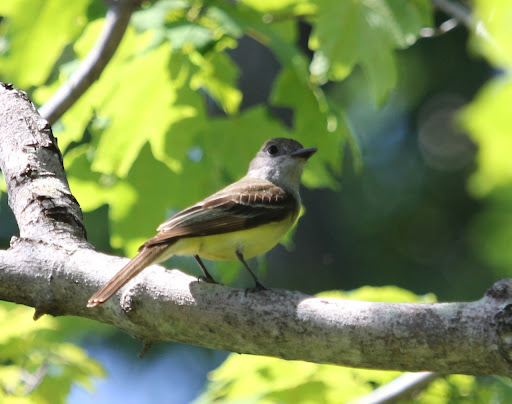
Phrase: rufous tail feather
{"type": "Point", "coordinates": [146, 257]}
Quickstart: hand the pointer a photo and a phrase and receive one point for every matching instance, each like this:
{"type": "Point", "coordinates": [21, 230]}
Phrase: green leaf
{"type": "Point", "coordinates": [158, 14]}
{"type": "Point", "coordinates": [487, 119]}
{"type": "Point", "coordinates": [135, 208]}
{"type": "Point", "coordinates": [218, 75]}
{"type": "Point", "coordinates": [380, 294]}
{"type": "Point", "coordinates": [27, 347]}
{"type": "Point", "coordinates": [146, 112]}
{"type": "Point", "coordinates": [366, 33]}
{"type": "Point", "coordinates": [159, 191]}
{"type": "Point", "coordinates": [73, 124]}
{"type": "Point", "coordinates": [194, 35]}
{"type": "Point", "coordinates": [270, 35]}
{"type": "Point", "coordinates": [495, 44]}
{"type": "Point", "coordinates": [491, 231]}
{"type": "Point", "coordinates": [293, 7]}
{"type": "Point", "coordinates": [33, 46]}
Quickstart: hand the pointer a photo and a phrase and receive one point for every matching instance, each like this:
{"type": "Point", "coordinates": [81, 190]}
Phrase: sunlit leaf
{"type": "Point", "coordinates": [72, 125]}
{"type": "Point", "coordinates": [488, 120]}
{"type": "Point", "coordinates": [146, 112]}
{"type": "Point", "coordinates": [366, 33]}
{"type": "Point", "coordinates": [33, 46]}
{"type": "Point", "coordinates": [380, 294]}
{"type": "Point", "coordinates": [29, 347]}
{"type": "Point", "coordinates": [294, 7]}
{"type": "Point", "coordinates": [491, 231]}
{"type": "Point", "coordinates": [218, 75]}
{"type": "Point", "coordinates": [492, 37]}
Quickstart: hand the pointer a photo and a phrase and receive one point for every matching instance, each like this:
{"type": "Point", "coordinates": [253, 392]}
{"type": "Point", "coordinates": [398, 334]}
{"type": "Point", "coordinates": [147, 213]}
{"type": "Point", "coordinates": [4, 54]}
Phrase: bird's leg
{"type": "Point", "coordinates": [207, 277]}
{"type": "Point", "coordinates": [258, 284]}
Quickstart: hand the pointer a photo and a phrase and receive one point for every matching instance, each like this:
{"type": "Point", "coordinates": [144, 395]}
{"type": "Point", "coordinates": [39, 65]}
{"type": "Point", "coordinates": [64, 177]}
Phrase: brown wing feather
{"type": "Point", "coordinates": [229, 210]}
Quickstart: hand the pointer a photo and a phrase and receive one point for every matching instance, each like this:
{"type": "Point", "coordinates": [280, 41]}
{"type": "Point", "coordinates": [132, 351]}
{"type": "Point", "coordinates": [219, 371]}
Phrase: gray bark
{"type": "Point", "coordinates": [52, 268]}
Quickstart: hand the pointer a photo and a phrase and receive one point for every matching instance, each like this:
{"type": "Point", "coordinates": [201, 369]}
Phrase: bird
{"type": "Point", "coordinates": [241, 221]}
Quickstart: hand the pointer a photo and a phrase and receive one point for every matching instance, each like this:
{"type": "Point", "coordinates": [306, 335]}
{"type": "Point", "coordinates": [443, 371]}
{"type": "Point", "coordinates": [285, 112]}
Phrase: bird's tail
{"type": "Point", "coordinates": [147, 256]}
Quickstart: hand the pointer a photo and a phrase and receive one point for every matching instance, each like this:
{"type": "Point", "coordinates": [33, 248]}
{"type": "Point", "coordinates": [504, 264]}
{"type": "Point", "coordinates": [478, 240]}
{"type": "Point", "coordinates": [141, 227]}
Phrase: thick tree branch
{"type": "Point", "coordinates": [52, 268]}
{"type": "Point", "coordinates": [31, 162]}
{"type": "Point", "coordinates": [116, 22]}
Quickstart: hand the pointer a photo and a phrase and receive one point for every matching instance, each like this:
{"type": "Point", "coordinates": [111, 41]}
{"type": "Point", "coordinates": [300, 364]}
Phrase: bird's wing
{"type": "Point", "coordinates": [242, 205]}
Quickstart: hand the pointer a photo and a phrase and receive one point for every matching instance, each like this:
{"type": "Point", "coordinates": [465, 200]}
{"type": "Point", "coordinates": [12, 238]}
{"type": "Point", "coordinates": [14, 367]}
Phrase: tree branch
{"type": "Point", "coordinates": [116, 22]}
{"type": "Point", "coordinates": [31, 163]}
{"type": "Point", "coordinates": [402, 388]}
{"type": "Point", "coordinates": [457, 11]}
{"type": "Point", "coordinates": [464, 15]}
{"type": "Point", "coordinates": [52, 268]}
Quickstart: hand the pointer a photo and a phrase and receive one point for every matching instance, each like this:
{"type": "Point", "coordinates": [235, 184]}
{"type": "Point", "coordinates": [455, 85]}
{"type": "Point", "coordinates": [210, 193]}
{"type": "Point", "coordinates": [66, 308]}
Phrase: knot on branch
{"type": "Point", "coordinates": [501, 290]}
{"type": "Point", "coordinates": [59, 212]}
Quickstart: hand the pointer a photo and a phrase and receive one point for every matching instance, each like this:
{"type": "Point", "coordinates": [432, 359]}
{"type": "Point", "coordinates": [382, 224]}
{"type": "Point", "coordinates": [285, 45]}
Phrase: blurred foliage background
{"type": "Point", "coordinates": [412, 184]}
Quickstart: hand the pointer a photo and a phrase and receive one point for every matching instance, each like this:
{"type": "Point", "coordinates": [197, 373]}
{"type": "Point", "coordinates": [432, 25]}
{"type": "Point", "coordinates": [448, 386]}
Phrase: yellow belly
{"type": "Point", "coordinates": [223, 247]}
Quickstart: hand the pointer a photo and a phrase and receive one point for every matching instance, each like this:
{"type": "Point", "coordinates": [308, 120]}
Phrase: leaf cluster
{"type": "Point", "coordinates": [37, 365]}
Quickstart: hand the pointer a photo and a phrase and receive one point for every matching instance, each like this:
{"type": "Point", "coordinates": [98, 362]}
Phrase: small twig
{"type": "Point", "coordinates": [443, 28]}
{"type": "Point", "coordinates": [401, 388]}
{"type": "Point", "coordinates": [116, 22]}
{"type": "Point", "coordinates": [28, 381]}
{"type": "Point", "coordinates": [32, 380]}
{"type": "Point", "coordinates": [457, 11]}
{"type": "Point", "coordinates": [465, 16]}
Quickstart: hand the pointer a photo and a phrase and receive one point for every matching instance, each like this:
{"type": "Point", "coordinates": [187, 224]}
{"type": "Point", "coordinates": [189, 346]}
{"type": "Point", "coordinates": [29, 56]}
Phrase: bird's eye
{"type": "Point", "coordinates": [272, 150]}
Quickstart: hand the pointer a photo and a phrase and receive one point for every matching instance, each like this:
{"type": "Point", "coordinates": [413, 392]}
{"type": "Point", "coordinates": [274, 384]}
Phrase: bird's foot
{"type": "Point", "coordinates": [207, 280]}
{"type": "Point", "coordinates": [257, 287]}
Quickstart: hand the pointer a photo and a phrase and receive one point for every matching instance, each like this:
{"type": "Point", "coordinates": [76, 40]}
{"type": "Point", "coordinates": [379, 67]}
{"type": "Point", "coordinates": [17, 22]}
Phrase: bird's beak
{"type": "Point", "coordinates": [304, 153]}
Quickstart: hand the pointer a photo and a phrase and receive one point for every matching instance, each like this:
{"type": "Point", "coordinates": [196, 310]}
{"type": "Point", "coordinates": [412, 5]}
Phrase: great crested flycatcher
{"type": "Point", "coordinates": [243, 220]}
